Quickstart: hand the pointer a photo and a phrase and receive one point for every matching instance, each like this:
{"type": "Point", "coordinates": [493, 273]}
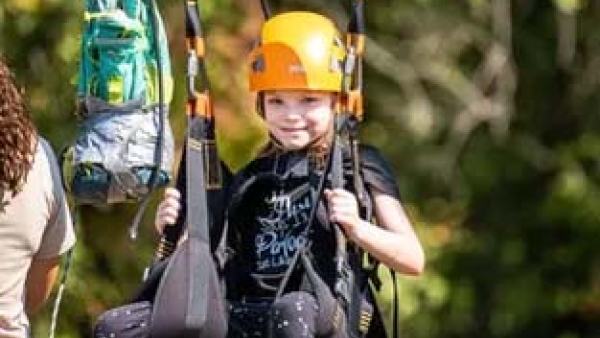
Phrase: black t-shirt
{"type": "Point", "coordinates": [268, 215]}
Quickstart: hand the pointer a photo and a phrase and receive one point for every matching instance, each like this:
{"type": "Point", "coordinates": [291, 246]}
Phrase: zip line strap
{"type": "Point", "coordinates": [199, 101]}
{"type": "Point", "coordinates": [197, 105]}
{"type": "Point", "coordinates": [355, 40]}
{"type": "Point", "coordinates": [200, 129]}
{"type": "Point", "coordinates": [264, 5]}
{"type": "Point", "coordinates": [63, 280]}
{"type": "Point", "coordinates": [356, 26]}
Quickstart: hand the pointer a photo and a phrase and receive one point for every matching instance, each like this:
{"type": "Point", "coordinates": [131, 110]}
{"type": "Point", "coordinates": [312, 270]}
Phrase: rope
{"type": "Point", "coordinates": [153, 181]}
{"type": "Point", "coordinates": [63, 280]}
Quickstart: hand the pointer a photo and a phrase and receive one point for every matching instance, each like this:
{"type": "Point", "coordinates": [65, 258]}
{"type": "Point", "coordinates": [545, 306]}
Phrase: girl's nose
{"type": "Point", "coordinates": [294, 112]}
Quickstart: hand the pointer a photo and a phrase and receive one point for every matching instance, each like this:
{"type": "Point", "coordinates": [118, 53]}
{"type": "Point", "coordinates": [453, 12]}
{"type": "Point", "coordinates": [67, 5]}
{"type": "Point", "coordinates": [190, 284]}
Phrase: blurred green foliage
{"type": "Point", "coordinates": [488, 109]}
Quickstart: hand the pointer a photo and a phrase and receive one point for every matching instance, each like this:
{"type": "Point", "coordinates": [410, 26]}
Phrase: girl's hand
{"type": "Point", "coordinates": [168, 209]}
{"type": "Point", "coordinates": [343, 210]}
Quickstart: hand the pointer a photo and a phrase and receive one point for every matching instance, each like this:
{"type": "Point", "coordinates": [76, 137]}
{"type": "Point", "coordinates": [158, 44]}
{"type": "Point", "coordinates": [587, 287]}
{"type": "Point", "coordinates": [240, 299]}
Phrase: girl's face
{"type": "Point", "coordinates": [296, 118]}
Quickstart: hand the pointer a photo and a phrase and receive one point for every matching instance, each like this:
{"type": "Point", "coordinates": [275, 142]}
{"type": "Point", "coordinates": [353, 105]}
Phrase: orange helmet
{"type": "Point", "coordinates": [298, 50]}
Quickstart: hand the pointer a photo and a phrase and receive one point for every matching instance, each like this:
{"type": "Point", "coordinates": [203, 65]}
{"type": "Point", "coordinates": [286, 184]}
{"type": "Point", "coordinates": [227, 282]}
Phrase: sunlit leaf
{"type": "Point", "coordinates": [570, 6]}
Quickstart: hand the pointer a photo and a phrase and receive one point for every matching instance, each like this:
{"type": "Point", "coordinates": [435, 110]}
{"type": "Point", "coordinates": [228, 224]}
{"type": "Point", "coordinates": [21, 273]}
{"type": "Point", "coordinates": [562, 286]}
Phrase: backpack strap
{"type": "Point", "coordinates": [68, 259]}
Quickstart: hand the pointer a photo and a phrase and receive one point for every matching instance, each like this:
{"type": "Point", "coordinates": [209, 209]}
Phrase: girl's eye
{"type": "Point", "coordinates": [274, 101]}
{"type": "Point", "coordinates": [310, 99]}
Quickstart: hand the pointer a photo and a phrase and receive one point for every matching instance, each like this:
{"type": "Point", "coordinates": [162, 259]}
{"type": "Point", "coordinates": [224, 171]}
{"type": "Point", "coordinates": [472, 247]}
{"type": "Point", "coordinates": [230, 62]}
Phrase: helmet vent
{"type": "Point", "coordinates": [258, 65]}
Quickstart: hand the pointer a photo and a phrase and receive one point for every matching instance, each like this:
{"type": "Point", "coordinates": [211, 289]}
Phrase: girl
{"type": "Point", "coordinates": [296, 70]}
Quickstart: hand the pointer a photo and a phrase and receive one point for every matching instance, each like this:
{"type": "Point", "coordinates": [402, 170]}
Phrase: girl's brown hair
{"type": "Point", "coordinates": [18, 136]}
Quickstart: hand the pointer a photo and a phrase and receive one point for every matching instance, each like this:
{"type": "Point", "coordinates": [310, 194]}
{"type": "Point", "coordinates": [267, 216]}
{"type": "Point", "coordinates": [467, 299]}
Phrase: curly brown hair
{"type": "Point", "coordinates": [18, 136]}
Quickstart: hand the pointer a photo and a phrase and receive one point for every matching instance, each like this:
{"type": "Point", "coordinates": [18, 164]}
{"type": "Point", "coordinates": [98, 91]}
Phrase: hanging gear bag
{"type": "Point", "coordinates": [124, 146]}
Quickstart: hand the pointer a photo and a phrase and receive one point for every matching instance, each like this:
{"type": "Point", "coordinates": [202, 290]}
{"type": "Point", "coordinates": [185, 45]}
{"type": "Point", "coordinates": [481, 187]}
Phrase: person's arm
{"type": "Point", "coordinates": [394, 242]}
{"type": "Point", "coordinates": [40, 280]}
{"type": "Point", "coordinates": [58, 238]}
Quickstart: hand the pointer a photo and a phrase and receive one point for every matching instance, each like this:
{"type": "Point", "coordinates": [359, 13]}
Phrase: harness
{"type": "Point", "coordinates": [344, 278]}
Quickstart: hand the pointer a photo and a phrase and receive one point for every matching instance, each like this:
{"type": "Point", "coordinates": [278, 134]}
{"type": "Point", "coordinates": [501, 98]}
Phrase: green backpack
{"type": "Point", "coordinates": [125, 146]}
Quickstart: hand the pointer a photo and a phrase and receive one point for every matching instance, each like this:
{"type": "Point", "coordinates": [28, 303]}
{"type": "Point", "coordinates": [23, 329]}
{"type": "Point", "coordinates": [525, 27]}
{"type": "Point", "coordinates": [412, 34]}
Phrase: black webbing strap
{"type": "Point", "coordinates": [197, 225]}
{"type": "Point", "coordinates": [353, 109]}
{"type": "Point", "coordinates": [195, 192]}
{"type": "Point", "coordinates": [264, 5]}
{"type": "Point", "coordinates": [203, 168]}
{"type": "Point", "coordinates": [350, 287]}
{"type": "Point", "coordinates": [199, 166]}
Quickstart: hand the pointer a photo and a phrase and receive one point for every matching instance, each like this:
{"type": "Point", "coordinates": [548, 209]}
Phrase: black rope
{"type": "Point", "coordinates": [265, 9]}
{"type": "Point", "coordinates": [158, 154]}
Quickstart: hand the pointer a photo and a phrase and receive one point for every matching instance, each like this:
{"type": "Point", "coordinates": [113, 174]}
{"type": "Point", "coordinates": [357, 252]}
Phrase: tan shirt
{"type": "Point", "coordinates": [34, 224]}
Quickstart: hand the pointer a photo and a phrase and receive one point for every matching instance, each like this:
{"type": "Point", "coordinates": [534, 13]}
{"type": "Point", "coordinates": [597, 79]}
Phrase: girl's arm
{"type": "Point", "coordinates": [394, 242]}
{"type": "Point", "coordinates": [168, 209]}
